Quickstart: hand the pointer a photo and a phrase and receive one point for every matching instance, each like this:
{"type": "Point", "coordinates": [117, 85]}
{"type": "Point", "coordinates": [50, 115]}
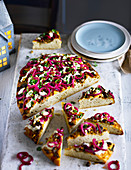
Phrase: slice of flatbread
{"type": "Point", "coordinates": [47, 41]}
{"type": "Point", "coordinates": [38, 124]}
{"type": "Point", "coordinates": [53, 147]}
{"type": "Point", "coordinates": [106, 120]}
{"type": "Point", "coordinates": [86, 132]}
{"type": "Point", "coordinates": [72, 116]}
{"type": "Point", "coordinates": [95, 97]}
{"type": "Point", "coordinates": [100, 152]}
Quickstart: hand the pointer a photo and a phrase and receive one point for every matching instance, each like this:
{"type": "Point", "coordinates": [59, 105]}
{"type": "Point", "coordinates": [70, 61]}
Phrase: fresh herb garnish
{"type": "Point", "coordinates": [39, 149]}
{"type": "Point", "coordinates": [72, 102]}
{"type": "Point", "coordinates": [53, 30]}
{"type": "Point", "coordinates": [94, 64]}
{"type": "Point", "coordinates": [85, 126]}
{"type": "Point", "coordinates": [75, 110]}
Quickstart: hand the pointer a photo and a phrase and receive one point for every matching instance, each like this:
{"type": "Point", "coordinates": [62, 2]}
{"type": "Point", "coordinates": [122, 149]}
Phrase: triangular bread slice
{"type": "Point", "coordinates": [72, 116]}
{"type": "Point", "coordinates": [91, 152]}
{"type": "Point", "coordinates": [86, 132]}
{"type": "Point", "coordinates": [53, 147]}
{"type": "Point", "coordinates": [104, 119]}
{"type": "Point", "coordinates": [38, 124]}
{"type": "Point", "coordinates": [95, 97]}
{"type": "Point", "coordinates": [49, 41]}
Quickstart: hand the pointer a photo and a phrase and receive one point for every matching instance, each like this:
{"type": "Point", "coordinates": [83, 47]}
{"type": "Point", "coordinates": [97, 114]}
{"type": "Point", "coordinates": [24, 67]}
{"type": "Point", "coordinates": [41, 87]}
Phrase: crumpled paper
{"type": "Point", "coordinates": [125, 62]}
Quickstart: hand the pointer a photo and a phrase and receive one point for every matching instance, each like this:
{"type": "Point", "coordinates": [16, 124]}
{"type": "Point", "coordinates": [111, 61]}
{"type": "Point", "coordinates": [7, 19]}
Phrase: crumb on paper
{"type": "Point", "coordinates": [57, 114]}
{"type": "Point", "coordinates": [86, 110]}
{"type": "Point", "coordinates": [88, 163]}
{"type": "Point", "coordinates": [94, 109]}
{"type": "Point", "coordinates": [40, 143]}
{"type": "Point", "coordinates": [72, 102]}
{"type": "Point", "coordinates": [31, 51]}
{"type": "Point", "coordinates": [27, 57]}
{"type": "Point", "coordinates": [94, 64]}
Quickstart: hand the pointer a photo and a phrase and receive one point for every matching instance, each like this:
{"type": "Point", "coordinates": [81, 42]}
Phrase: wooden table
{"type": "Point", "coordinates": [6, 81]}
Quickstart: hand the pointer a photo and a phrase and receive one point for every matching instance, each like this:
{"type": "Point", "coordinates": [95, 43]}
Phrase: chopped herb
{"type": "Point", "coordinates": [39, 149]}
{"type": "Point", "coordinates": [75, 110]}
{"type": "Point", "coordinates": [32, 103]}
{"type": "Point", "coordinates": [72, 102]}
{"type": "Point", "coordinates": [27, 57]}
{"type": "Point", "coordinates": [53, 30]}
{"type": "Point", "coordinates": [35, 92]}
{"type": "Point", "coordinates": [85, 126]}
{"type": "Point", "coordinates": [94, 64]}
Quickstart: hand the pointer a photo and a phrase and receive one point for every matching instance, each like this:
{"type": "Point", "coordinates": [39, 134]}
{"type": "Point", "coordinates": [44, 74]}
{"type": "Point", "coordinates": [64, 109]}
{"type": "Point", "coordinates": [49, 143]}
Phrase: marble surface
{"type": "Point", "coordinates": [8, 107]}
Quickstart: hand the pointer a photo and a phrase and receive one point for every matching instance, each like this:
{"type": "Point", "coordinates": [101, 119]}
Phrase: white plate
{"type": "Point", "coordinates": [90, 58]}
{"type": "Point", "coordinates": [117, 30]}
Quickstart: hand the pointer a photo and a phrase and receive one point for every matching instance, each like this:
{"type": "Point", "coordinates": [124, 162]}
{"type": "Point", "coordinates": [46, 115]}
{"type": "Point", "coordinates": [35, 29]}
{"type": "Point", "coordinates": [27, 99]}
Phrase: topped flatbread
{"type": "Point", "coordinates": [51, 78]}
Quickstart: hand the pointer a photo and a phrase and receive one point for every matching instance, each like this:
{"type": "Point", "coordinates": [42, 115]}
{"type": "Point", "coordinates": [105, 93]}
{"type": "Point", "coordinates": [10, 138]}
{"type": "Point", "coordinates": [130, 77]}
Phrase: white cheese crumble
{"type": "Point", "coordinates": [42, 93]}
{"type": "Point", "coordinates": [29, 93]}
{"type": "Point", "coordinates": [28, 105]}
{"type": "Point", "coordinates": [21, 91]}
{"type": "Point", "coordinates": [51, 34]}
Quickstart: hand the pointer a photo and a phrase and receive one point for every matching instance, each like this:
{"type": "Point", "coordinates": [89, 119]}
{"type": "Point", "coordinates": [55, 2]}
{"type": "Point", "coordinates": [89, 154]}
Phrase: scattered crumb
{"type": "Point", "coordinates": [27, 57]}
{"type": "Point", "coordinates": [31, 51]}
{"type": "Point", "coordinates": [36, 162]}
{"type": "Point", "coordinates": [57, 114]}
{"type": "Point", "coordinates": [38, 148]}
{"type": "Point", "coordinates": [88, 163]}
{"type": "Point", "coordinates": [78, 165]}
{"type": "Point", "coordinates": [86, 110]}
{"type": "Point", "coordinates": [94, 109]}
{"type": "Point", "coordinates": [40, 143]}
{"type": "Point", "coordinates": [94, 64]}
{"type": "Point", "coordinates": [105, 166]}
{"type": "Point", "coordinates": [72, 102]}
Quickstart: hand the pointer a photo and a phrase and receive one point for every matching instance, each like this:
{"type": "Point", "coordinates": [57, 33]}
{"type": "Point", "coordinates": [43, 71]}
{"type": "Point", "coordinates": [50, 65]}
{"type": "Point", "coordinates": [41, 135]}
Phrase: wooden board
{"type": "Point", "coordinates": [15, 140]}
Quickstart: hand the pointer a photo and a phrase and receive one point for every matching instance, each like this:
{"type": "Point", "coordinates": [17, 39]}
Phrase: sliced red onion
{"type": "Point", "coordinates": [115, 163]}
{"type": "Point", "coordinates": [87, 123]}
{"type": "Point", "coordinates": [98, 127]}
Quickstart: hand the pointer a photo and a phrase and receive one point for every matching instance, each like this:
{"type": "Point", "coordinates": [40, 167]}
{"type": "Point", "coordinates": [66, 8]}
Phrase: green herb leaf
{"type": "Point", "coordinates": [27, 57]}
{"type": "Point", "coordinates": [39, 149]}
{"type": "Point", "coordinates": [72, 102]}
{"type": "Point", "coordinates": [85, 126]}
{"type": "Point", "coordinates": [75, 110]}
{"type": "Point", "coordinates": [53, 30]}
{"type": "Point", "coordinates": [94, 64]}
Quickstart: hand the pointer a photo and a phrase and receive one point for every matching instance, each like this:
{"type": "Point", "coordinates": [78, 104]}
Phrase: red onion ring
{"type": "Point", "coordinates": [23, 155]}
{"type": "Point", "coordinates": [115, 163]}
{"type": "Point", "coordinates": [87, 123]}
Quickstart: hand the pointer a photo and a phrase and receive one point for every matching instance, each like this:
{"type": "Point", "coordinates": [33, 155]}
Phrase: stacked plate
{"type": "Point", "coordinates": [100, 41]}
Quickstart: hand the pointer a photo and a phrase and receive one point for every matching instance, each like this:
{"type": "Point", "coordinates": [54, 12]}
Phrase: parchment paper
{"type": "Point", "coordinates": [15, 140]}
